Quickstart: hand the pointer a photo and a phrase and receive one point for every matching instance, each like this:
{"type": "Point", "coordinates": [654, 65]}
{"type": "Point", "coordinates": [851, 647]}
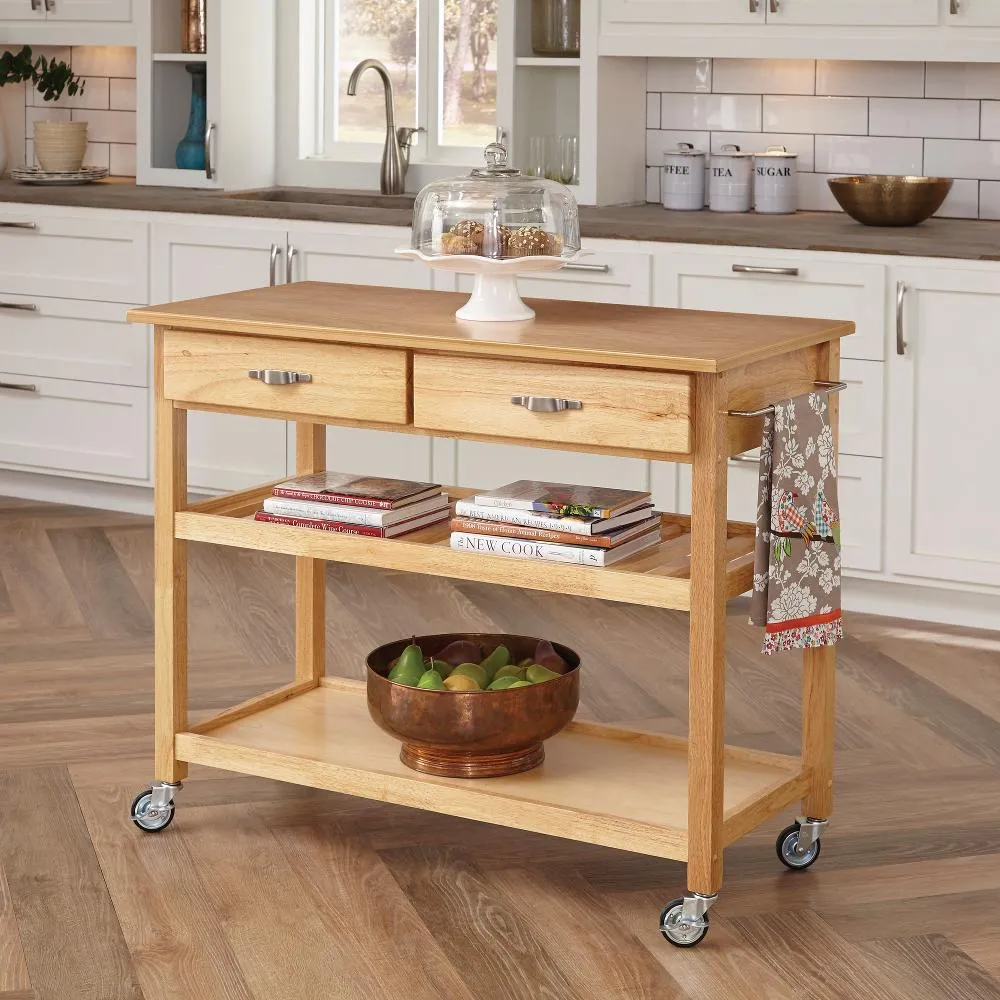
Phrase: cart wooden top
{"type": "Point", "coordinates": [579, 332]}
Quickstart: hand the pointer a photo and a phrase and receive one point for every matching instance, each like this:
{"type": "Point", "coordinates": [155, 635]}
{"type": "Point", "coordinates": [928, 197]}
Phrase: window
{"type": "Point", "coordinates": [441, 59]}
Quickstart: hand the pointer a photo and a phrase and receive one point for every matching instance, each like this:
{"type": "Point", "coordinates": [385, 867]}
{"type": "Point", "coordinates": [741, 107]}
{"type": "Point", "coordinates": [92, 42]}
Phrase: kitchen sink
{"type": "Point", "coordinates": [326, 196]}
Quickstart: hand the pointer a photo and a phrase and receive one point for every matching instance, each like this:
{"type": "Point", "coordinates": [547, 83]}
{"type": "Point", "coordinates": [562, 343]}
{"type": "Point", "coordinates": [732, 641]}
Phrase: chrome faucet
{"type": "Point", "coordinates": [396, 154]}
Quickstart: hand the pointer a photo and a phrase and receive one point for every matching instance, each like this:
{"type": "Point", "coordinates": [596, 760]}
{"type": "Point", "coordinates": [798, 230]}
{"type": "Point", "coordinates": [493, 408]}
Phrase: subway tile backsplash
{"type": "Point", "coordinates": [107, 103]}
{"type": "Point", "coordinates": [840, 118]}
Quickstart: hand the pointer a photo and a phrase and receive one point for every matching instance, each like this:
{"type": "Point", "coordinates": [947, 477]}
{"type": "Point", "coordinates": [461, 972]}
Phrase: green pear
{"type": "Point", "coordinates": [510, 671]}
{"type": "Point", "coordinates": [537, 674]}
{"type": "Point", "coordinates": [431, 680]}
{"type": "Point", "coordinates": [502, 683]}
{"type": "Point", "coordinates": [500, 657]}
{"type": "Point", "coordinates": [473, 670]}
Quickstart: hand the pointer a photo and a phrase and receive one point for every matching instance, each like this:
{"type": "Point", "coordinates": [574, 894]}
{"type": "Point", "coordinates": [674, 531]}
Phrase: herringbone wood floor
{"type": "Point", "coordinates": [264, 892]}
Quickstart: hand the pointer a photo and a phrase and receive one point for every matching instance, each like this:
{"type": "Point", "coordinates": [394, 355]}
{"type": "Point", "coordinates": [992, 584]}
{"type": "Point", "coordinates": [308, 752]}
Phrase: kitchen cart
{"type": "Point", "coordinates": [652, 383]}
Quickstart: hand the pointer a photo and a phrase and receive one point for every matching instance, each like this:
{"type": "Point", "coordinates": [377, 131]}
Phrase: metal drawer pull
{"type": "Point", "coordinates": [954, 7]}
{"type": "Point", "coordinates": [18, 225]}
{"type": "Point", "coordinates": [50, 5]}
{"type": "Point", "coordinates": [271, 376]}
{"type": "Point", "coordinates": [900, 295]}
{"type": "Point", "coordinates": [596, 268]}
{"type": "Point", "coordinates": [36, 4]}
{"type": "Point", "coordinates": [791, 272]}
{"type": "Point", "coordinates": [754, 6]}
{"type": "Point", "coordinates": [19, 386]}
{"type": "Point", "coordinates": [273, 272]}
{"type": "Point", "coordinates": [20, 306]}
{"type": "Point", "coordinates": [546, 404]}
{"type": "Point", "coordinates": [290, 256]}
{"type": "Point", "coordinates": [774, 6]}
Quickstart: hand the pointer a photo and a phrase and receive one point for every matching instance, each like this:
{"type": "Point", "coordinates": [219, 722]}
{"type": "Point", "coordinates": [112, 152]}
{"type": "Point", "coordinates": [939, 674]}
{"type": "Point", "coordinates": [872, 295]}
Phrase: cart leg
{"type": "Point", "coordinates": [310, 574]}
{"type": "Point", "coordinates": [818, 715]}
{"type": "Point", "coordinates": [171, 579]}
{"type": "Point", "coordinates": [707, 667]}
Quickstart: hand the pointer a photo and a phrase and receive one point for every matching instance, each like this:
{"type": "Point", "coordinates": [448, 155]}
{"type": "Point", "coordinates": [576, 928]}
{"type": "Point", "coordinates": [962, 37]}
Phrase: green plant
{"type": "Point", "coordinates": [50, 77]}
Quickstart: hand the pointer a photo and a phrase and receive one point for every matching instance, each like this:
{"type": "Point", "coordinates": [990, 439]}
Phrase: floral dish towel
{"type": "Point", "coordinates": [796, 579]}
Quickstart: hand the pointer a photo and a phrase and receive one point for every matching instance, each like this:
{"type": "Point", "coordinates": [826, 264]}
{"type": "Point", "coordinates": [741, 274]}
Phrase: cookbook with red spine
{"type": "Point", "coordinates": [355, 491]}
{"type": "Point", "coordinates": [608, 541]}
{"type": "Point", "coordinates": [341, 528]}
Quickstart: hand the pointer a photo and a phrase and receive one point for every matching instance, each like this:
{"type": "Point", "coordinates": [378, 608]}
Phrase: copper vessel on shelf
{"type": "Point", "coordinates": [472, 734]}
{"type": "Point", "coordinates": [887, 200]}
{"type": "Point", "coordinates": [193, 19]}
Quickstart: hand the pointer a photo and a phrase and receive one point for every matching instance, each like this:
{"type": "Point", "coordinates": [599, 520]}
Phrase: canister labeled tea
{"type": "Point", "coordinates": [730, 180]}
{"type": "Point", "coordinates": [776, 181]}
{"type": "Point", "coordinates": [683, 185]}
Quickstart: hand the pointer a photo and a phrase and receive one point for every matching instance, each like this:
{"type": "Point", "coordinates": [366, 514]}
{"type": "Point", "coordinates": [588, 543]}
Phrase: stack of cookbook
{"type": "Point", "coordinates": [356, 505]}
{"type": "Point", "coordinates": [589, 525]}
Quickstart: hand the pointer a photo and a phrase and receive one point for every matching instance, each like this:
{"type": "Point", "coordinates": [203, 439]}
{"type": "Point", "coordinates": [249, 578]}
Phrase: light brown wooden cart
{"type": "Point", "coordinates": [654, 383]}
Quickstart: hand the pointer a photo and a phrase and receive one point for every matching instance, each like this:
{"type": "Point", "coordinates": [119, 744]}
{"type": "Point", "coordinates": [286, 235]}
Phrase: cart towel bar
{"type": "Point", "coordinates": [820, 387]}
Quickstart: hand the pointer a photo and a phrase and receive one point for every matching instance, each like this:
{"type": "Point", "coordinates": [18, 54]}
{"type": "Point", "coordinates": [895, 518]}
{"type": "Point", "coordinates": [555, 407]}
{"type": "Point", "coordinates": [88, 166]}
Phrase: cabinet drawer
{"type": "Point", "coordinates": [74, 427]}
{"type": "Point", "coordinates": [347, 383]}
{"type": "Point", "coordinates": [648, 411]}
{"type": "Point", "coordinates": [72, 339]}
{"type": "Point", "coordinates": [73, 258]}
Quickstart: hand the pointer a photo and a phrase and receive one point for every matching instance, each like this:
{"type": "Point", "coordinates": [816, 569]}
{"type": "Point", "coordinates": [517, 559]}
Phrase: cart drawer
{"type": "Point", "coordinates": [347, 383]}
{"type": "Point", "coordinates": [647, 411]}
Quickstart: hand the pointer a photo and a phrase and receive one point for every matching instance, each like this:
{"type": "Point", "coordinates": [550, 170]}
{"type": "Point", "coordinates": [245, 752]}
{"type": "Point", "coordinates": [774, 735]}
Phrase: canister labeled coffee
{"type": "Point", "coordinates": [683, 183]}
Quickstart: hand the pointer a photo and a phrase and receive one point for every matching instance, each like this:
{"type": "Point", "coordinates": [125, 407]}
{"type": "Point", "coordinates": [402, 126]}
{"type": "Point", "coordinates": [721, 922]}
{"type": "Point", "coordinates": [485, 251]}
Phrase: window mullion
{"type": "Point", "coordinates": [427, 74]}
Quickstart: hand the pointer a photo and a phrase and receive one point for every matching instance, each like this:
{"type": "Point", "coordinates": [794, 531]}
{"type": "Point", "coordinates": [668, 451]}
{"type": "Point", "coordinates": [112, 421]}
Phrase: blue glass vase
{"type": "Point", "coordinates": [191, 149]}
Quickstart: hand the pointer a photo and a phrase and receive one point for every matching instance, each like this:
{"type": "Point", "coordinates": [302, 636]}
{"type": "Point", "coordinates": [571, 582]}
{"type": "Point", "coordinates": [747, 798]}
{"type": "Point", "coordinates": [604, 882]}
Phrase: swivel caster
{"type": "Point", "coordinates": [798, 845]}
{"type": "Point", "coordinates": [684, 921]}
{"type": "Point", "coordinates": [153, 809]}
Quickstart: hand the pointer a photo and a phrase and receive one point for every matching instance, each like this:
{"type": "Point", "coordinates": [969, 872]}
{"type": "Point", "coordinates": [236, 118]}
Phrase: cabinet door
{"type": "Point", "coordinates": [19, 10]}
{"type": "Point", "coordinates": [897, 13]}
{"type": "Point", "coordinates": [225, 451]}
{"type": "Point", "coordinates": [89, 10]}
{"type": "Point", "coordinates": [359, 258]}
{"type": "Point", "coordinates": [745, 283]}
{"type": "Point", "coordinates": [942, 473]}
{"type": "Point", "coordinates": [639, 12]}
{"type": "Point", "coordinates": [974, 14]}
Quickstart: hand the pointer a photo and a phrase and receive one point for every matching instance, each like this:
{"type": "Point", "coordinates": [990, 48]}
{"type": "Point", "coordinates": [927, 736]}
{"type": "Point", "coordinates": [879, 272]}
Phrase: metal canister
{"type": "Point", "coordinates": [730, 180]}
{"type": "Point", "coordinates": [776, 181]}
{"type": "Point", "coordinates": [193, 19]}
{"type": "Point", "coordinates": [682, 186]}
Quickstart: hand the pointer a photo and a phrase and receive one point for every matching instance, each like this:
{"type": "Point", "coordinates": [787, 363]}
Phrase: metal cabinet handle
{"type": "Point", "coordinates": [18, 225]}
{"type": "Point", "coordinates": [20, 306]}
{"type": "Point", "coordinates": [596, 268]}
{"type": "Point", "coordinates": [273, 270]}
{"type": "Point", "coordinates": [546, 404]}
{"type": "Point", "coordinates": [774, 6]}
{"type": "Point", "coordinates": [791, 272]}
{"type": "Point", "coordinates": [290, 254]}
{"type": "Point", "coordinates": [50, 5]}
{"type": "Point", "coordinates": [955, 7]}
{"type": "Point", "coordinates": [36, 5]}
{"type": "Point", "coordinates": [209, 165]}
{"type": "Point", "coordinates": [754, 6]}
{"type": "Point", "coordinates": [272, 376]}
{"type": "Point", "coordinates": [19, 386]}
{"type": "Point", "coordinates": [900, 295]}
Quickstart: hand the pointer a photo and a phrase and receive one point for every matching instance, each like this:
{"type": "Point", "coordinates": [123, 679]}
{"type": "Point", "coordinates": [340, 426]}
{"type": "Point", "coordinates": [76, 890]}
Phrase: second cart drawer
{"type": "Point", "coordinates": [345, 382]}
{"type": "Point", "coordinates": [648, 411]}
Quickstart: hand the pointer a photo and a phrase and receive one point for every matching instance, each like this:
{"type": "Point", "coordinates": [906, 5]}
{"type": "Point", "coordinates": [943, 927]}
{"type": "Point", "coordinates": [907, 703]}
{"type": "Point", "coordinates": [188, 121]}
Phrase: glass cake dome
{"type": "Point", "coordinates": [495, 223]}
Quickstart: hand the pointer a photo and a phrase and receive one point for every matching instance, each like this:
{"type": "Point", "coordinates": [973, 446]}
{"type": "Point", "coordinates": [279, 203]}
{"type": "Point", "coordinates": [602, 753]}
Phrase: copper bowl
{"type": "Point", "coordinates": [882, 200]}
{"type": "Point", "coordinates": [472, 734]}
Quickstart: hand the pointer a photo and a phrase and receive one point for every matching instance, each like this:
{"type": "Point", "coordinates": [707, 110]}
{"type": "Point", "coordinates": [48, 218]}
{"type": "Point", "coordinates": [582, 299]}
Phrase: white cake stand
{"type": "Point", "coordinates": [495, 298]}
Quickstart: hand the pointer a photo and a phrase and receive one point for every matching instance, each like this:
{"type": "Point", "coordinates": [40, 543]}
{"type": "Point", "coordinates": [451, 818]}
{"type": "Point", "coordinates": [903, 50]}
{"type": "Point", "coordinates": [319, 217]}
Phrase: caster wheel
{"type": "Point", "coordinates": [790, 854]}
{"type": "Point", "coordinates": [141, 815]}
{"type": "Point", "coordinates": [678, 933]}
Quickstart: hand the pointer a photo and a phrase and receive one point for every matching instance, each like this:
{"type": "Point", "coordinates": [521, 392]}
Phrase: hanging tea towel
{"type": "Point", "coordinates": [796, 578]}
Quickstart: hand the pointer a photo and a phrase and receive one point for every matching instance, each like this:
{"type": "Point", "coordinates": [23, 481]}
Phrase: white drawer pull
{"type": "Point", "coordinates": [19, 386]}
{"type": "Point", "coordinates": [272, 376]}
{"type": "Point", "coordinates": [546, 404]}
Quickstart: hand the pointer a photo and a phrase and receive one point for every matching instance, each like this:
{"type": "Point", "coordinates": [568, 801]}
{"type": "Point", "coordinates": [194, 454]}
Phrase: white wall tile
{"type": "Point", "coordinates": [98, 155]}
{"type": "Point", "coordinates": [990, 124]}
{"type": "Point", "coordinates": [962, 201]}
{"type": "Point", "coordinates": [855, 154]}
{"type": "Point", "coordinates": [764, 76]}
{"type": "Point", "coordinates": [817, 115]}
{"type": "Point", "coordinates": [732, 112]}
{"type": "Point", "coordinates": [48, 113]}
{"type": "Point", "coordinates": [962, 158]}
{"type": "Point", "coordinates": [692, 76]}
{"type": "Point", "coordinates": [108, 126]}
{"type": "Point", "coordinates": [989, 200]}
{"type": "Point", "coordinates": [658, 141]}
{"type": "Point", "coordinates": [963, 80]}
{"type": "Point", "coordinates": [103, 60]}
{"type": "Point", "coordinates": [757, 142]}
{"type": "Point", "coordinates": [652, 110]}
{"type": "Point", "coordinates": [869, 79]}
{"type": "Point", "coordinates": [927, 118]}
{"type": "Point", "coordinates": [122, 96]}
{"type": "Point", "coordinates": [122, 160]}
{"type": "Point", "coordinates": [815, 194]}
{"type": "Point", "coordinates": [95, 95]}
{"type": "Point", "coordinates": [653, 175]}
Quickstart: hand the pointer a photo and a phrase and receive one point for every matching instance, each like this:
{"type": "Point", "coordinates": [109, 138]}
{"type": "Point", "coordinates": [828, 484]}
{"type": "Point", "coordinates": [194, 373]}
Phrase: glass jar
{"type": "Point", "coordinates": [555, 27]}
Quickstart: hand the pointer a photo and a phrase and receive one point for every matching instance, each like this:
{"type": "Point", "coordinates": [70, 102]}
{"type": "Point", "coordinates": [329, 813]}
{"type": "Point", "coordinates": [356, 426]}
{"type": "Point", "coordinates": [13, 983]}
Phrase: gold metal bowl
{"type": "Point", "coordinates": [472, 734]}
{"type": "Point", "coordinates": [882, 200]}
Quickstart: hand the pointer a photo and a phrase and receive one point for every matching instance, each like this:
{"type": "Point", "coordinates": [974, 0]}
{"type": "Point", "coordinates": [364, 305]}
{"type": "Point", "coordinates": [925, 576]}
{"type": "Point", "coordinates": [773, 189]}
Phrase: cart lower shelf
{"type": "Point", "coordinates": [599, 784]}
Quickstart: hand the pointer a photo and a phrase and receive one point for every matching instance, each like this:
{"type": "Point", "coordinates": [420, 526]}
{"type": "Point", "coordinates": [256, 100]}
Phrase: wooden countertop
{"type": "Point", "coordinates": [579, 332]}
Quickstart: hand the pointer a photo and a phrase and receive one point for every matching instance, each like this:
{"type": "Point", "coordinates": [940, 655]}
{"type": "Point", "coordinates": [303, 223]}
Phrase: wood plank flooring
{"type": "Point", "coordinates": [260, 891]}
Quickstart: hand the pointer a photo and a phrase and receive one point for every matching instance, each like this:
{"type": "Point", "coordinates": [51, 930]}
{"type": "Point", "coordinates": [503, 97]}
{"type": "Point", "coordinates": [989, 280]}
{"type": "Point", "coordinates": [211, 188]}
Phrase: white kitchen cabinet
{"type": "Point", "coordinates": [362, 255]}
{"type": "Point", "coordinates": [88, 10]}
{"type": "Point", "coordinates": [861, 406]}
{"type": "Point", "coordinates": [796, 285]}
{"type": "Point", "coordinates": [20, 10]}
{"type": "Point", "coordinates": [225, 452]}
{"type": "Point", "coordinates": [852, 13]}
{"type": "Point", "coordinates": [941, 472]}
{"type": "Point", "coordinates": [632, 14]}
{"type": "Point", "coordinates": [973, 14]}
